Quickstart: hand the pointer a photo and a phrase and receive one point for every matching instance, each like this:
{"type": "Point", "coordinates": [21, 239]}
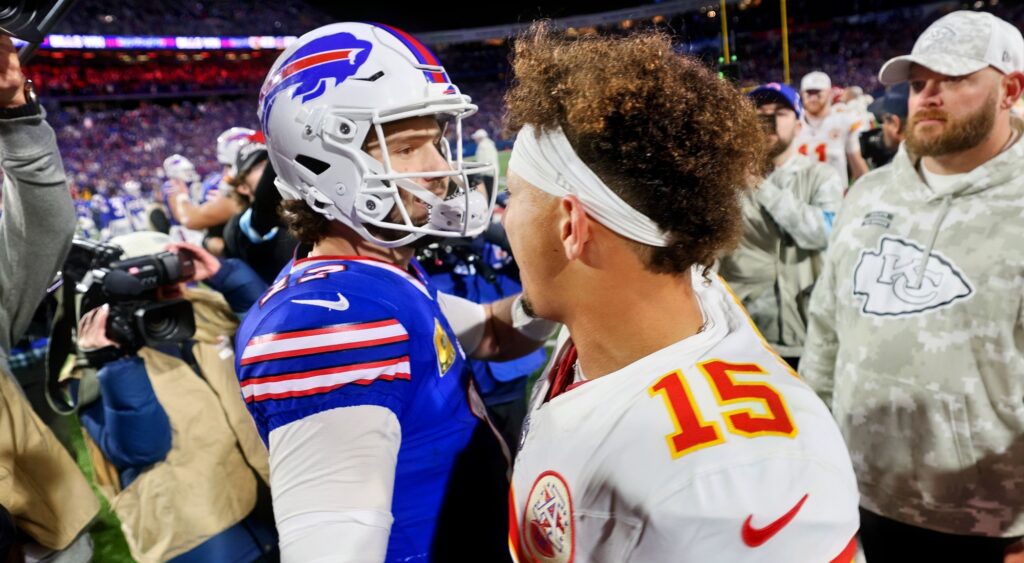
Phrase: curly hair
{"type": "Point", "coordinates": [306, 225]}
{"type": "Point", "coordinates": [665, 134]}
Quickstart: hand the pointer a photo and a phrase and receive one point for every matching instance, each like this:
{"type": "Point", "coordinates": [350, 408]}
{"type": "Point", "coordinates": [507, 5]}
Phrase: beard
{"type": "Point", "coordinates": [777, 148]}
{"type": "Point", "coordinates": [959, 135]}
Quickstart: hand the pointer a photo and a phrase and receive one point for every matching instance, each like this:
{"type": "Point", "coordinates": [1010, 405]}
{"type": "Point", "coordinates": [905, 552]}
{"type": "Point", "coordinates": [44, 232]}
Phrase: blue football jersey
{"type": "Point", "coordinates": [211, 187]}
{"type": "Point", "coordinates": [338, 332]}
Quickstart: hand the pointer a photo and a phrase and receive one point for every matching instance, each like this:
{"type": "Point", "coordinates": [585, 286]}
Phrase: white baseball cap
{"type": "Point", "coordinates": [479, 134]}
{"type": "Point", "coordinates": [958, 44]}
{"type": "Point", "coordinates": [816, 80]}
{"type": "Point", "coordinates": [141, 243]}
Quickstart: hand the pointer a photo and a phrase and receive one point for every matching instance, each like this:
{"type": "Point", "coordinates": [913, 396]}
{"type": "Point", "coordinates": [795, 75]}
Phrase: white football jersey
{"type": "Point", "coordinates": [831, 139]}
{"type": "Point", "coordinates": [710, 449]}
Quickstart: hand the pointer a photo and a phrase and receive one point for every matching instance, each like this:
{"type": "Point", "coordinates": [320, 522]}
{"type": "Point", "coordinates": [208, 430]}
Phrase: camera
{"type": "Point", "coordinates": [872, 147]}
{"type": "Point", "coordinates": [132, 288]}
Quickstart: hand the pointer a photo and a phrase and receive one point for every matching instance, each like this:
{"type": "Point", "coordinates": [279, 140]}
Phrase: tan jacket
{"type": "Point", "coordinates": [207, 482]}
{"type": "Point", "coordinates": [40, 485]}
{"type": "Point", "coordinates": [786, 224]}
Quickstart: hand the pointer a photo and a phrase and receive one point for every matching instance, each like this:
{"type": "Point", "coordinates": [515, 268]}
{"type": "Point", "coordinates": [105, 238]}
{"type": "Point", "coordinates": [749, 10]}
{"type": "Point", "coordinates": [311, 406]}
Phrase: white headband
{"type": "Point", "coordinates": [550, 163]}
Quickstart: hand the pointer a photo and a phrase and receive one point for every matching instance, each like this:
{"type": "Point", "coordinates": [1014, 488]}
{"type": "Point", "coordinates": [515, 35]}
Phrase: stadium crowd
{"type": "Point", "coordinates": [292, 329]}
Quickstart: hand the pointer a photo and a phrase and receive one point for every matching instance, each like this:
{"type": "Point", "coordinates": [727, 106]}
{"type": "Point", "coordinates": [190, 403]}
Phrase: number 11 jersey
{"type": "Point", "coordinates": [710, 449]}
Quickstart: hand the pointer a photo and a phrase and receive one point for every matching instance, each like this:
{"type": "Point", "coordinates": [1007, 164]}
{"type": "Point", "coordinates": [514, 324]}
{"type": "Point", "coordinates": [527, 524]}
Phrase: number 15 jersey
{"type": "Point", "coordinates": [710, 449]}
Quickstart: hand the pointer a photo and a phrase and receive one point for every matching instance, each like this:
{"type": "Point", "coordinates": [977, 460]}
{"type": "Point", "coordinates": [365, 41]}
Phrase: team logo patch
{"type": "Point", "coordinates": [334, 57]}
{"type": "Point", "coordinates": [445, 349]}
{"type": "Point", "coordinates": [878, 219]}
{"type": "Point", "coordinates": [548, 534]}
{"type": "Point", "coordinates": [889, 280]}
{"type": "Point", "coordinates": [835, 134]}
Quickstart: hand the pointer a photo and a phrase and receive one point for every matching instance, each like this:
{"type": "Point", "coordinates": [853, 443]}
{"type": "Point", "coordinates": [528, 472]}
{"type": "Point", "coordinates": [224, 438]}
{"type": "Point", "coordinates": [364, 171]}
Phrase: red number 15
{"type": "Point", "coordinates": [694, 432]}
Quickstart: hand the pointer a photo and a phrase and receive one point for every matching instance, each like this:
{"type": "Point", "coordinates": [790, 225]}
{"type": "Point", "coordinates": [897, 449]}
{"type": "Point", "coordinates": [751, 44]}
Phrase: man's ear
{"type": "Point", "coordinates": [1013, 87]}
{"type": "Point", "coordinates": [575, 227]}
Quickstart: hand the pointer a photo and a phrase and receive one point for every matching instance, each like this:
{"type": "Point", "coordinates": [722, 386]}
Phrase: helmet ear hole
{"type": "Point", "coordinates": [314, 165]}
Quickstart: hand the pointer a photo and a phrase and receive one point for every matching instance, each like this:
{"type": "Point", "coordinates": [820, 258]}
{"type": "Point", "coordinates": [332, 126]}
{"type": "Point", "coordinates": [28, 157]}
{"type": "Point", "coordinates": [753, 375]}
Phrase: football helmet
{"type": "Point", "coordinates": [324, 98]}
{"type": "Point", "coordinates": [228, 143]}
{"type": "Point", "coordinates": [178, 167]}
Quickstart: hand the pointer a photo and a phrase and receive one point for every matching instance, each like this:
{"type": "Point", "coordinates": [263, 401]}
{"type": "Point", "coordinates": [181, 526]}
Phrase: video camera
{"type": "Point", "coordinates": [131, 287]}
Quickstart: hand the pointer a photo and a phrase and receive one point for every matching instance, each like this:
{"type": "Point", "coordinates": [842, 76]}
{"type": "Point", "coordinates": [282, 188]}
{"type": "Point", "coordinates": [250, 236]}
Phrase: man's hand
{"type": "Point", "coordinates": [207, 265]}
{"type": "Point", "coordinates": [92, 330]}
{"type": "Point", "coordinates": [12, 81]}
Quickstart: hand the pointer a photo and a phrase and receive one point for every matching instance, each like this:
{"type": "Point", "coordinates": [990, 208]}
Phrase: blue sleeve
{"type": "Point", "coordinates": [239, 284]}
{"type": "Point", "coordinates": [321, 350]}
{"type": "Point", "coordinates": [128, 424]}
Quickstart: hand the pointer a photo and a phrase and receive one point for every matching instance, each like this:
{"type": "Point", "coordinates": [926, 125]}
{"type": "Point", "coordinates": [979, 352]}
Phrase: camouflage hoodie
{"type": "Point", "coordinates": [916, 340]}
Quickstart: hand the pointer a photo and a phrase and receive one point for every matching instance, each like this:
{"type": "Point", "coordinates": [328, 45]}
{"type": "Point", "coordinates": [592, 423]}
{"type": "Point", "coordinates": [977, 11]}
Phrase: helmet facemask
{"type": "Point", "coordinates": [383, 196]}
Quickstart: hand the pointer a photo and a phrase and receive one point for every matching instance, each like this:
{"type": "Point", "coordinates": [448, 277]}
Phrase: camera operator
{"type": "Point", "coordinates": [41, 488]}
{"type": "Point", "coordinates": [175, 450]}
{"type": "Point", "coordinates": [880, 145]}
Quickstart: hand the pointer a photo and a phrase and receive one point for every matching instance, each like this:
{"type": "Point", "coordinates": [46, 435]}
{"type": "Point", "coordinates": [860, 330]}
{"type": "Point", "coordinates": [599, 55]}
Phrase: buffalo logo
{"type": "Point", "coordinates": [892, 282]}
{"type": "Point", "coordinates": [309, 68]}
{"type": "Point", "coordinates": [548, 532]}
{"type": "Point", "coordinates": [444, 348]}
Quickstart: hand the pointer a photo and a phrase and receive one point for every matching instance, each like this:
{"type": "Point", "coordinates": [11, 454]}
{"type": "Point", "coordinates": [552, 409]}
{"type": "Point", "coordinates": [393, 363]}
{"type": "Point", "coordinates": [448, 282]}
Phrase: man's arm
{"type": "Point", "coordinates": [39, 217]}
{"type": "Point", "coordinates": [818, 363]}
{"type": "Point", "coordinates": [215, 212]}
{"type": "Point", "coordinates": [332, 478]}
{"type": "Point", "coordinates": [809, 223]}
{"type": "Point", "coordinates": [858, 166]}
{"type": "Point", "coordinates": [495, 331]}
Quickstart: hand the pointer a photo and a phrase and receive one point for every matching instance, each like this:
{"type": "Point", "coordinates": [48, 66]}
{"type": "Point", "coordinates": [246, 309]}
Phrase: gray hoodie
{"type": "Point", "coordinates": [916, 340]}
{"type": "Point", "coordinates": [37, 224]}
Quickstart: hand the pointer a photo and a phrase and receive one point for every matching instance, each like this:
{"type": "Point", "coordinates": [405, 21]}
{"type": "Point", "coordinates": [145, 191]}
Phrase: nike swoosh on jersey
{"type": "Point", "coordinates": [755, 537]}
{"type": "Point", "coordinates": [340, 305]}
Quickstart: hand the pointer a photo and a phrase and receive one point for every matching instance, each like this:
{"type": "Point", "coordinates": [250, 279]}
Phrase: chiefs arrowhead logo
{"type": "Point", "coordinates": [892, 283]}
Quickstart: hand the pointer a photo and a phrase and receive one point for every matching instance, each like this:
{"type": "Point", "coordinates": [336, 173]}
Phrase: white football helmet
{"type": "Point", "coordinates": [228, 143]}
{"type": "Point", "coordinates": [180, 168]}
{"type": "Point", "coordinates": [339, 84]}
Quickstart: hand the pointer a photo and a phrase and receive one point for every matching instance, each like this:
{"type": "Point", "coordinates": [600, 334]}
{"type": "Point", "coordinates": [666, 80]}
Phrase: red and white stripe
{"type": "Point", "coordinates": [301, 384]}
{"type": "Point", "coordinates": [320, 340]}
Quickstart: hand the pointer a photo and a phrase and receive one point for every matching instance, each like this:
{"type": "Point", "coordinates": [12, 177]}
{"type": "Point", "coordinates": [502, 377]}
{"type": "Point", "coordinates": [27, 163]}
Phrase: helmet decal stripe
{"type": "Point", "coordinates": [420, 51]}
{"type": "Point", "coordinates": [336, 56]}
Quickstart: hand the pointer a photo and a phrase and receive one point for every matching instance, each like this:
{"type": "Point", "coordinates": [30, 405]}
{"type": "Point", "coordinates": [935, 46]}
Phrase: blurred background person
{"type": "Point", "coordinates": [787, 220]}
{"type": "Point", "coordinates": [827, 135]}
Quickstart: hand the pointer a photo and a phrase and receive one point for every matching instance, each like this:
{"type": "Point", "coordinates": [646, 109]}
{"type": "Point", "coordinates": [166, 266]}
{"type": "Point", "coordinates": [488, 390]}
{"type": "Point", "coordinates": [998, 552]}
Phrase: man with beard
{"type": "Point", "coordinates": [829, 134]}
{"type": "Point", "coordinates": [786, 223]}
{"type": "Point", "coordinates": [917, 321]}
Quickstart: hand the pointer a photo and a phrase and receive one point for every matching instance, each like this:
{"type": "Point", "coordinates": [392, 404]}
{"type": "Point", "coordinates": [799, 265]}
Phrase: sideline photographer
{"type": "Point", "coordinates": [175, 450]}
{"type": "Point", "coordinates": [41, 488]}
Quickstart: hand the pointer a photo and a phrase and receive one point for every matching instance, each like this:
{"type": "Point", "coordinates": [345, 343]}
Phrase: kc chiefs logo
{"type": "Point", "coordinates": [548, 533]}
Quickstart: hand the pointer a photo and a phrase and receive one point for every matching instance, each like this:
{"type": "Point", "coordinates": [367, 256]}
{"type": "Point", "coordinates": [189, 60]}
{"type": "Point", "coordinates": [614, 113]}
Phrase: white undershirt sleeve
{"type": "Point", "coordinates": [332, 476]}
{"type": "Point", "coordinates": [467, 319]}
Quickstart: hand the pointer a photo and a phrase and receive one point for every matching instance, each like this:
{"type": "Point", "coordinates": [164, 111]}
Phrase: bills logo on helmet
{"type": "Point", "coordinates": [892, 282]}
{"type": "Point", "coordinates": [337, 56]}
